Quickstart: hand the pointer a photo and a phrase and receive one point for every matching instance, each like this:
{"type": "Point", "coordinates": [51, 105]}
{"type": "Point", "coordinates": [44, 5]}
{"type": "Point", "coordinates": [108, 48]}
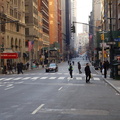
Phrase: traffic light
{"type": "Point", "coordinates": [73, 28]}
{"type": "Point", "coordinates": [102, 36]}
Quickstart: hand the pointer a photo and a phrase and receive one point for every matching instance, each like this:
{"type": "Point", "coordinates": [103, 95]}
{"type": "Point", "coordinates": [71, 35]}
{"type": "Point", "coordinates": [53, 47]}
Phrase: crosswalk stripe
{"type": "Point", "coordinates": [61, 77]}
{"type": "Point", "coordinates": [17, 78]}
{"type": "Point", "coordinates": [52, 77]}
{"type": "Point", "coordinates": [78, 78]}
{"type": "Point", "coordinates": [43, 78]}
{"type": "Point", "coordinates": [34, 78]}
{"type": "Point", "coordinates": [26, 78]}
{"type": "Point", "coordinates": [96, 78]}
{"type": "Point", "coordinates": [8, 79]}
{"type": "Point", "coordinates": [2, 79]}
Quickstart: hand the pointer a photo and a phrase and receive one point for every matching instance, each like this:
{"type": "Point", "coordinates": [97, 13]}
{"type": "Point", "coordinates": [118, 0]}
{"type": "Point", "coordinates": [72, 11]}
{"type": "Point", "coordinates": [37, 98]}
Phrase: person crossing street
{"type": "Point", "coordinates": [70, 70]}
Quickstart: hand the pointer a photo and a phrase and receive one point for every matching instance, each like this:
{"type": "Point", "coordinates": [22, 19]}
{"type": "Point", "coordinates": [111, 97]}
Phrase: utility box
{"type": "Point", "coordinates": [116, 67]}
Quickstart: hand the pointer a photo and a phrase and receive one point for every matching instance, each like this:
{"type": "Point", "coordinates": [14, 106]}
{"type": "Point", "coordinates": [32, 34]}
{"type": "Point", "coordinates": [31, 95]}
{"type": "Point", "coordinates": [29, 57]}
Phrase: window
{"type": "Point", "coordinates": [27, 31]}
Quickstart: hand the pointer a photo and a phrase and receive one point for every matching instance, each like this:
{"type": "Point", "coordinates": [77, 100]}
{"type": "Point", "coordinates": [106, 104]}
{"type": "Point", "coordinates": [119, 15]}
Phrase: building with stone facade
{"type": "Point", "coordinates": [13, 30]}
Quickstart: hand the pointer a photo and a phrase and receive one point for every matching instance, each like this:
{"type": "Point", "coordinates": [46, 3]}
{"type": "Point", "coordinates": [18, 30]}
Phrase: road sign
{"type": "Point", "coordinates": [111, 43]}
{"type": "Point", "coordinates": [117, 39]}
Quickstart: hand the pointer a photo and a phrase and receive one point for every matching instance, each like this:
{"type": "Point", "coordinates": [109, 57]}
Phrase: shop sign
{"type": "Point", "coordinates": [8, 55]}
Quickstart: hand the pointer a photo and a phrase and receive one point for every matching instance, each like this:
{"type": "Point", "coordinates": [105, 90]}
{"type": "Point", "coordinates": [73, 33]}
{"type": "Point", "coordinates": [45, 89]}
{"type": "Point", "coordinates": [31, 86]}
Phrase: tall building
{"type": "Point", "coordinates": [68, 27]}
{"type": "Point", "coordinates": [53, 21]}
{"type": "Point", "coordinates": [59, 25]}
{"type": "Point", "coordinates": [45, 21]}
{"type": "Point", "coordinates": [32, 29]}
{"type": "Point", "coordinates": [63, 19]}
{"type": "Point", "coordinates": [73, 41]}
{"type": "Point", "coordinates": [13, 31]}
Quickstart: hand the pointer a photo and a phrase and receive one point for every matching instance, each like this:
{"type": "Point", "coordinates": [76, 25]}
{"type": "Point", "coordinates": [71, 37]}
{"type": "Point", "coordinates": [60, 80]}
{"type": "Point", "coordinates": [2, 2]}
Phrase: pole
{"type": "Point", "coordinates": [111, 40]}
{"type": "Point", "coordinates": [102, 50]}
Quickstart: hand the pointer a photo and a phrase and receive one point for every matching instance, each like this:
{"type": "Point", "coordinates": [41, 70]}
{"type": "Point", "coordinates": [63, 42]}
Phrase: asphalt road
{"type": "Point", "coordinates": [36, 95]}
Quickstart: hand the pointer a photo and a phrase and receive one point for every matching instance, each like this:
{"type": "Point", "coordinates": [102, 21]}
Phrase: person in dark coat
{"type": "Point", "coordinates": [87, 73]}
{"type": "Point", "coordinates": [70, 70]}
{"type": "Point", "coordinates": [105, 69]}
{"type": "Point", "coordinates": [21, 67]}
{"type": "Point", "coordinates": [79, 67]}
{"type": "Point", "coordinates": [18, 68]}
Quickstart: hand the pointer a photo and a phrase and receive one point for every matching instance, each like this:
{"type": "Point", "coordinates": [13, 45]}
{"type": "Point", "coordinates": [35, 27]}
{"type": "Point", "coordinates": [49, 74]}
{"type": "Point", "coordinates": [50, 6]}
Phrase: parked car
{"type": "Point", "coordinates": [51, 67]}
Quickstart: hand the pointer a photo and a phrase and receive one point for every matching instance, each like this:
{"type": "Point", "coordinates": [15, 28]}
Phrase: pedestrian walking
{"type": "Point", "coordinates": [87, 73]}
{"type": "Point", "coordinates": [79, 67]}
{"type": "Point", "coordinates": [21, 67]}
{"type": "Point", "coordinates": [73, 62]}
{"type": "Point", "coordinates": [27, 65]}
{"type": "Point", "coordinates": [105, 69]}
{"type": "Point", "coordinates": [70, 70]}
{"type": "Point", "coordinates": [18, 68]}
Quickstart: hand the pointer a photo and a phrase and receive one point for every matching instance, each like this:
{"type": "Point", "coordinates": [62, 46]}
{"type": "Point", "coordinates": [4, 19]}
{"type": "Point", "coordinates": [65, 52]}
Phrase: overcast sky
{"type": "Point", "coordinates": [84, 7]}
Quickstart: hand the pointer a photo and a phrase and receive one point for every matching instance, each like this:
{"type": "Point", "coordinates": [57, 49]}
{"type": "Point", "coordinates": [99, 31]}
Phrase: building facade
{"type": "Point", "coordinates": [13, 35]}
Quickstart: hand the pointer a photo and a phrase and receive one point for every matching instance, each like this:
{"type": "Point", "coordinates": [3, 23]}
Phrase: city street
{"type": "Point", "coordinates": [37, 95]}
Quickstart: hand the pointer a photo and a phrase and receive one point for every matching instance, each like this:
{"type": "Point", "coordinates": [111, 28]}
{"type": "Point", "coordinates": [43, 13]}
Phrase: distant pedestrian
{"type": "Point", "coordinates": [107, 64]}
{"type": "Point", "coordinates": [73, 62]}
{"type": "Point", "coordinates": [18, 68]}
{"type": "Point", "coordinates": [79, 67]}
{"type": "Point", "coordinates": [21, 67]}
{"type": "Point", "coordinates": [68, 62]}
{"type": "Point", "coordinates": [87, 73]}
{"type": "Point", "coordinates": [105, 69]}
{"type": "Point", "coordinates": [27, 65]}
{"type": "Point", "coordinates": [70, 70]}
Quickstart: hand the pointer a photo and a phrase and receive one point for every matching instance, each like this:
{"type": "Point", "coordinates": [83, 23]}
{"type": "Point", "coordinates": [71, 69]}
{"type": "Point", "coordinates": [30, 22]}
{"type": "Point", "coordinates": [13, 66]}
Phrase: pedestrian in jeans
{"type": "Point", "coordinates": [79, 67]}
{"type": "Point", "coordinates": [70, 70]}
{"type": "Point", "coordinates": [87, 73]}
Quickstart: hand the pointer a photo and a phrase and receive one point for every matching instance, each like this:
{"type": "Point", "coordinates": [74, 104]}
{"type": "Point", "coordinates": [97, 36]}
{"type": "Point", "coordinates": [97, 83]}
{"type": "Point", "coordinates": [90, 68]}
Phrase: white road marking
{"type": "Point", "coordinates": [1, 79]}
{"type": "Point", "coordinates": [78, 78]}
{"type": "Point", "coordinates": [26, 78]}
{"type": "Point", "coordinates": [17, 78]}
{"type": "Point", "coordinates": [8, 79]}
{"type": "Point", "coordinates": [61, 77]}
{"type": "Point", "coordinates": [43, 78]}
{"type": "Point", "coordinates": [34, 78]}
{"type": "Point", "coordinates": [96, 78]}
{"type": "Point", "coordinates": [60, 88]}
{"type": "Point", "coordinates": [52, 77]}
{"type": "Point", "coordinates": [9, 88]}
{"type": "Point", "coordinates": [9, 85]}
{"type": "Point", "coordinates": [36, 110]}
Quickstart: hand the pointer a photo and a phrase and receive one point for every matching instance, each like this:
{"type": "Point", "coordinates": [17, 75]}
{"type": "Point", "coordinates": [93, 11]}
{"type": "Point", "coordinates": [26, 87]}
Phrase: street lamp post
{"type": "Point", "coordinates": [111, 40]}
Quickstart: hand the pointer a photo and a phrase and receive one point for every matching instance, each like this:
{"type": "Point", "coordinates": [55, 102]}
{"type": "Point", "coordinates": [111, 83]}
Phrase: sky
{"type": "Point", "coordinates": [84, 7]}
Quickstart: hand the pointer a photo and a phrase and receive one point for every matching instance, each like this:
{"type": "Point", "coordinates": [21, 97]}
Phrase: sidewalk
{"type": "Point", "coordinates": [112, 82]}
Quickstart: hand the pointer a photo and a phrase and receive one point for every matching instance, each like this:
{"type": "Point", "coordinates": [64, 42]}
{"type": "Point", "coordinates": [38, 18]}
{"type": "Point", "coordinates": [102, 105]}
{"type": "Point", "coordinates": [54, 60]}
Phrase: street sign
{"type": "Point", "coordinates": [9, 56]}
{"type": "Point", "coordinates": [117, 39]}
{"type": "Point", "coordinates": [111, 43]}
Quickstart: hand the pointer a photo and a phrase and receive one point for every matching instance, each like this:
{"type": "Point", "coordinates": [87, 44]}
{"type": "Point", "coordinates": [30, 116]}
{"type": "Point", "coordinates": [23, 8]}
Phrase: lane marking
{"type": "Point", "coordinates": [8, 79]}
{"type": "Point", "coordinates": [9, 88]}
{"type": "Point", "coordinates": [61, 77]}
{"type": "Point", "coordinates": [78, 78]}
{"type": "Point", "coordinates": [9, 85]}
{"type": "Point", "coordinates": [34, 78]}
{"type": "Point", "coordinates": [60, 88]}
{"type": "Point", "coordinates": [52, 77]}
{"type": "Point", "coordinates": [43, 78]}
{"type": "Point", "coordinates": [17, 78]}
{"type": "Point", "coordinates": [96, 78]}
{"type": "Point", "coordinates": [26, 78]}
{"type": "Point", "coordinates": [36, 110]}
{"type": "Point", "coordinates": [2, 79]}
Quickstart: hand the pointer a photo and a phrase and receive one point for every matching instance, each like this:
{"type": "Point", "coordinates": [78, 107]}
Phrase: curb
{"type": "Point", "coordinates": [112, 85]}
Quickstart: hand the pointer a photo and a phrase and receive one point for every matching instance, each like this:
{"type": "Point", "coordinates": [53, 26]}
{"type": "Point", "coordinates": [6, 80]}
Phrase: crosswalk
{"type": "Point", "coordinates": [46, 78]}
